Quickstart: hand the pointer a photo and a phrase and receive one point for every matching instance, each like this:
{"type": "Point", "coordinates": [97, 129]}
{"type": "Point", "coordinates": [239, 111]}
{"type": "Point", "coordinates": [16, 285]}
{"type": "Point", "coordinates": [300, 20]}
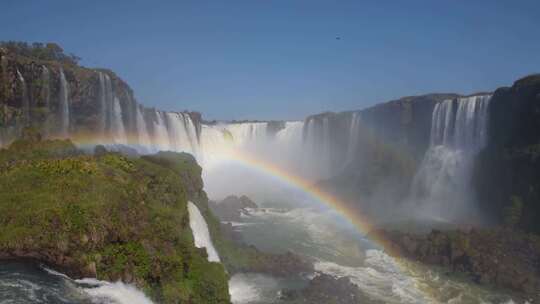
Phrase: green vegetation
{"type": "Point", "coordinates": [107, 215]}
{"type": "Point", "coordinates": [41, 51]}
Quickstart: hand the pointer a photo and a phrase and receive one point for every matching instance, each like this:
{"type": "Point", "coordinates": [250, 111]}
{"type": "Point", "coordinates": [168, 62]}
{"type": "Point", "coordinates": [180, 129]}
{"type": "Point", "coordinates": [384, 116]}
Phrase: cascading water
{"type": "Point", "coordinates": [201, 235]}
{"type": "Point", "coordinates": [25, 101]}
{"type": "Point", "coordinates": [318, 148]}
{"type": "Point", "coordinates": [192, 133]}
{"type": "Point", "coordinates": [458, 133]}
{"type": "Point", "coordinates": [248, 133]}
{"type": "Point", "coordinates": [31, 283]}
{"type": "Point", "coordinates": [45, 94]}
{"type": "Point", "coordinates": [109, 101]}
{"type": "Point", "coordinates": [45, 90]}
{"type": "Point", "coordinates": [354, 131]}
{"type": "Point", "coordinates": [160, 138]}
{"type": "Point", "coordinates": [178, 133]}
{"type": "Point", "coordinates": [64, 105]}
{"type": "Point", "coordinates": [142, 130]}
{"type": "Point", "coordinates": [118, 129]}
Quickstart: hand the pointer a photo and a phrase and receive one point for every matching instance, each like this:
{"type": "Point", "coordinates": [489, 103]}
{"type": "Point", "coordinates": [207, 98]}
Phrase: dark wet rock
{"type": "Point", "coordinates": [499, 257]}
{"type": "Point", "coordinates": [509, 166]}
{"type": "Point", "coordinates": [232, 207]}
{"type": "Point", "coordinates": [273, 127]}
{"type": "Point", "coordinates": [326, 289]}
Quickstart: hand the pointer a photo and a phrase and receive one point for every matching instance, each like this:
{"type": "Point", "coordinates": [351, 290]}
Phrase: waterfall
{"type": "Point", "coordinates": [458, 133]}
{"type": "Point", "coordinates": [64, 105]}
{"type": "Point", "coordinates": [45, 89]}
{"type": "Point", "coordinates": [45, 94]}
{"type": "Point", "coordinates": [178, 133]}
{"type": "Point", "coordinates": [201, 235]}
{"type": "Point", "coordinates": [291, 133]}
{"type": "Point", "coordinates": [160, 138]}
{"type": "Point", "coordinates": [248, 133]}
{"type": "Point", "coordinates": [25, 101]}
{"type": "Point", "coordinates": [118, 129]}
{"type": "Point", "coordinates": [318, 148]}
{"type": "Point", "coordinates": [354, 133]}
{"type": "Point", "coordinates": [142, 130]}
{"type": "Point", "coordinates": [109, 100]}
{"type": "Point", "coordinates": [191, 131]}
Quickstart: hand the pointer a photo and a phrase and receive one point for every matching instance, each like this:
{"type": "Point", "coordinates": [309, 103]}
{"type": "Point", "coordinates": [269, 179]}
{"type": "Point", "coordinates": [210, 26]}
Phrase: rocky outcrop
{"type": "Point", "coordinates": [327, 289]}
{"type": "Point", "coordinates": [239, 257]}
{"type": "Point", "coordinates": [374, 153]}
{"type": "Point", "coordinates": [509, 166]}
{"type": "Point", "coordinates": [232, 207]}
{"type": "Point", "coordinates": [107, 216]}
{"type": "Point", "coordinates": [498, 257]}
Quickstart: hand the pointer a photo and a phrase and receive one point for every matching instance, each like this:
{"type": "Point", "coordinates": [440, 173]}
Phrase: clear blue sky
{"type": "Point", "coordinates": [263, 59]}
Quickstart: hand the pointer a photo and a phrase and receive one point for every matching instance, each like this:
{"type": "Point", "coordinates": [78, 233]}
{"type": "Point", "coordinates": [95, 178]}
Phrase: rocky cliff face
{"type": "Point", "coordinates": [507, 172]}
{"type": "Point", "coordinates": [63, 99]}
{"type": "Point", "coordinates": [358, 154]}
{"type": "Point", "coordinates": [373, 153]}
{"type": "Point", "coordinates": [498, 257]}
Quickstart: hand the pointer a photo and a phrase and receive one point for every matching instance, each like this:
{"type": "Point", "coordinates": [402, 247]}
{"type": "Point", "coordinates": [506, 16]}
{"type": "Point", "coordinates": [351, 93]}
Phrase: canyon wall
{"type": "Point", "coordinates": [507, 172]}
{"type": "Point", "coordinates": [384, 156]}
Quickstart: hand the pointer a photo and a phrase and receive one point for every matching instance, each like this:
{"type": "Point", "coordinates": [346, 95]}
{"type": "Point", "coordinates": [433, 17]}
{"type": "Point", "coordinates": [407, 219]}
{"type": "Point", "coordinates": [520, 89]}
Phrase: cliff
{"type": "Point", "coordinates": [375, 152]}
{"type": "Point", "coordinates": [507, 171]}
{"type": "Point", "coordinates": [497, 257]}
{"type": "Point", "coordinates": [42, 87]}
{"type": "Point", "coordinates": [107, 216]}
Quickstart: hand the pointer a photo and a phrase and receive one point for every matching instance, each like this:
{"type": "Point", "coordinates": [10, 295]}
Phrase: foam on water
{"type": "Point", "coordinates": [380, 278]}
{"type": "Point", "coordinates": [103, 292]}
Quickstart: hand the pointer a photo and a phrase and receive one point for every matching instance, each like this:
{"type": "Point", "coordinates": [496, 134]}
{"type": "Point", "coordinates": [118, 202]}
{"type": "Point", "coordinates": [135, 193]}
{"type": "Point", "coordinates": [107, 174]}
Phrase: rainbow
{"type": "Point", "coordinates": [353, 216]}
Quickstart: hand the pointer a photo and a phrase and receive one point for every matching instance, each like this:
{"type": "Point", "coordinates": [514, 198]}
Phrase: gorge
{"type": "Point", "coordinates": [440, 160]}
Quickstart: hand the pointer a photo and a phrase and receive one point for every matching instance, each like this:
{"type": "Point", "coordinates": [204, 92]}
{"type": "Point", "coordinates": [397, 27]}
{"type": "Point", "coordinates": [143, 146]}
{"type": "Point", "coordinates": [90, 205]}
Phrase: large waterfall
{"type": "Point", "coordinates": [459, 131]}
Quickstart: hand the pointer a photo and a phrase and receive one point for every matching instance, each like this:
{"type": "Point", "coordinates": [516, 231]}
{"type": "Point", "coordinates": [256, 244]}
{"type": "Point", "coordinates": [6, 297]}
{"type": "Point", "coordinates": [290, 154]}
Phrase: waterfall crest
{"type": "Point", "coordinates": [201, 235]}
{"type": "Point", "coordinates": [459, 131]}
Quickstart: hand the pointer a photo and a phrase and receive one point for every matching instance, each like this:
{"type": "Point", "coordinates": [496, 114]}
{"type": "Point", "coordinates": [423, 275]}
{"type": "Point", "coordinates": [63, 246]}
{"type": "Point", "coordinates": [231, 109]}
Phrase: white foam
{"type": "Point", "coordinates": [103, 292]}
{"type": "Point", "coordinates": [201, 234]}
{"type": "Point", "coordinates": [54, 272]}
{"type": "Point", "coordinates": [248, 288]}
{"type": "Point", "coordinates": [380, 278]}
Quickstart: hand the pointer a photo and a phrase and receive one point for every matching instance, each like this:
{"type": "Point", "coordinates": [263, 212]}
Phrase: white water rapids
{"type": "Point", "coordinates": [32, 283]}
